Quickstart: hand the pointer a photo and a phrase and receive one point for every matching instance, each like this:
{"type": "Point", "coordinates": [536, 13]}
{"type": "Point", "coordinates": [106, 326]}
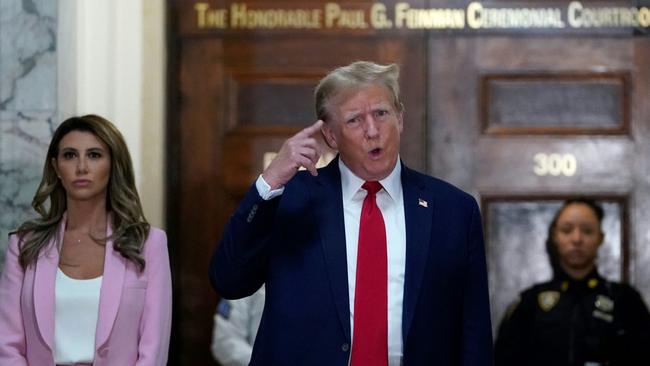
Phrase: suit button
{"type": "Point", "coordinates": [345, 347]}
{"type": "Point", "coordinates": [251, 214]}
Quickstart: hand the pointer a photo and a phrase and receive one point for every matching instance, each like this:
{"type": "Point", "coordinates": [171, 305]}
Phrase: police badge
{"type": "Point", "coordinates": [548, 299]}
{"type": "Point", "coordinates": [604, 303]}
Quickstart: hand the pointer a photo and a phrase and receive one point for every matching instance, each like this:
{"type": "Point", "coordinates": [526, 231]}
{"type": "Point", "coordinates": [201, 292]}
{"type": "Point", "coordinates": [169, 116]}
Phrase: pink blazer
{"type": "Point", "coordinates": [135, 307]}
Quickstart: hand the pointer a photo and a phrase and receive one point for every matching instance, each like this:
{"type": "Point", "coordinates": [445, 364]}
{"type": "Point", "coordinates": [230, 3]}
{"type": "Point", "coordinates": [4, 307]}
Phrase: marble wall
{"type": "Point", "coordinates": [28, 104]}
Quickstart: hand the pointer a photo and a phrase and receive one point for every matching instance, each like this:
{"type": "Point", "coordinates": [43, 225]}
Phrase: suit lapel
{"type": "Point", "coordinates": [419, 206]}
{"type": "Point", "coordinates": [111, 290]}
{"type": "Point", "coordinates": [332, 233]}
{"type": "Point", "coordinates": [44, 285]}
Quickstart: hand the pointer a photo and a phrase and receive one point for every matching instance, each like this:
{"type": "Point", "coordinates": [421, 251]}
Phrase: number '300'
{"type": "Point", "coordinates": [555, 164]}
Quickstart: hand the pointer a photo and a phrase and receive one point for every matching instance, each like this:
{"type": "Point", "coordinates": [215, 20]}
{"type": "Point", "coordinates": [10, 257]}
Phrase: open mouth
{"type": "Point", "coordinates": [374, 153]}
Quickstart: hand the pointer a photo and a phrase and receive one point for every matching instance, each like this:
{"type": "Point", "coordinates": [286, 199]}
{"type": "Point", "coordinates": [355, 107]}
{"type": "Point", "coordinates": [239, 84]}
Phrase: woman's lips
{"type": "Point", "coordinates": [81, 183]}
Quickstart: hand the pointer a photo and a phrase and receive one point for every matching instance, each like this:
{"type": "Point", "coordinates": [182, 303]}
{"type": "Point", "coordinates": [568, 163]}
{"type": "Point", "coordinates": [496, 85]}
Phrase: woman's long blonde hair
{"type": "Point", "coordinates": [130, 228]}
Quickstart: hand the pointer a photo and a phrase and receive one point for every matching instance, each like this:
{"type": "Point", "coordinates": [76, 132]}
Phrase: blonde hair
{"type": "Point", "coordinates": [354, 75]}
{"type": "Point", "coordinates": [130, 228]}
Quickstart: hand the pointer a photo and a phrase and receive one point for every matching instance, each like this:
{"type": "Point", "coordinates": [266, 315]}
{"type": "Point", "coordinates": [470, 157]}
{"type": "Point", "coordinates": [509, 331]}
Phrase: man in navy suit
{"type": "Point", "coordinates": [306, 236]}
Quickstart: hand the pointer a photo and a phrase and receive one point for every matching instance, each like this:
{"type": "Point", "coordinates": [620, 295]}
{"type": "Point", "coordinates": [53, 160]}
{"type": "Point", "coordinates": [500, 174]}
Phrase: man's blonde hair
{"type": "Point", "coordinates": [354, 75]}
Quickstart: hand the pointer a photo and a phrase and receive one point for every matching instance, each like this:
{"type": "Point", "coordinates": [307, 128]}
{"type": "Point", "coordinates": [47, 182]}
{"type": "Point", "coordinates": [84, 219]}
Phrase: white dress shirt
{"type": "Point", "coordinates": [391, 203]}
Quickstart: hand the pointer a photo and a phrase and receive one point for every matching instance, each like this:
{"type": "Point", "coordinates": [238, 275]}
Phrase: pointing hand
{"type": "Point", "coordinates": [299, 150]}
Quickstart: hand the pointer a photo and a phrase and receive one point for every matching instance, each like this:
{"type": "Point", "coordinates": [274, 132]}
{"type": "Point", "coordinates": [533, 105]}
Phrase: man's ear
{"type": "Point", "coordinates": [328, 135]}
{"type": "Point", "coordinates": [400, 121]}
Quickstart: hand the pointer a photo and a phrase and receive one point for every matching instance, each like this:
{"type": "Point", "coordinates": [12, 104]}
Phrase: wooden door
{"type": "Point", "coordinates": [525, 122]}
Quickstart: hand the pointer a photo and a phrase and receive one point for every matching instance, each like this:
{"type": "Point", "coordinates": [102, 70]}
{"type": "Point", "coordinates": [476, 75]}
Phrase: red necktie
{"type": "Point", "coordinates": [370, 337]}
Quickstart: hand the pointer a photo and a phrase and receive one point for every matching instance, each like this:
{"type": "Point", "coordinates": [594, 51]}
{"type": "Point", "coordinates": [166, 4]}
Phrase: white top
{"type": "Point", "coordinates": [391, 203]}
{"type": "Point", "coordinates": [76, 309]}
{"type": "Point", "coordinates": [235, 327]}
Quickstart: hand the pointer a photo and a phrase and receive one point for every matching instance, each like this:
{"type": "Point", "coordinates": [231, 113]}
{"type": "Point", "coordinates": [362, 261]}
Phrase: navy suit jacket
{"type": "Point", "coordinates": [295, 244]}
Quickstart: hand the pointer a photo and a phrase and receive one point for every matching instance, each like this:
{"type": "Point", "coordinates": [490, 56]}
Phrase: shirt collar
{"type": "Point", "coordinates": [351, 183]}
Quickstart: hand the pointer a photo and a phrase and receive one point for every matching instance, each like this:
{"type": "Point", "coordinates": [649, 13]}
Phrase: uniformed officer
{"type": "Point", "coordinates": [578, 318]}
{"type": "Point", "coordinates": [235, 327]}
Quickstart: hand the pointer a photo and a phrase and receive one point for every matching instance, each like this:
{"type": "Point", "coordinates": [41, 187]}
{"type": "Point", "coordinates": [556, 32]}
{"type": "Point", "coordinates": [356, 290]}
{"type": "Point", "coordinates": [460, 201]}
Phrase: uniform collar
{"type": "Point", "coordinates": [590, 281]}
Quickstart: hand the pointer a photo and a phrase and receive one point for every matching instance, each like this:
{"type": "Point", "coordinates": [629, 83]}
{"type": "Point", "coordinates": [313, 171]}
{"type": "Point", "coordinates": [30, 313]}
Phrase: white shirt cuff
{"type": "Point", "coordinates": [265, 191]}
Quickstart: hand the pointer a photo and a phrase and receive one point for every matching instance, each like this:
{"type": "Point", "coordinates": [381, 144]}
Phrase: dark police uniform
{"type": "Point", "coordinates": [588, 322]}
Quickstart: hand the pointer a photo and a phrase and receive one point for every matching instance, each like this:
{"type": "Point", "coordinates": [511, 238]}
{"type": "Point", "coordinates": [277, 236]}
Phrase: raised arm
{"type": "Point", "coordinates": [238, 265]}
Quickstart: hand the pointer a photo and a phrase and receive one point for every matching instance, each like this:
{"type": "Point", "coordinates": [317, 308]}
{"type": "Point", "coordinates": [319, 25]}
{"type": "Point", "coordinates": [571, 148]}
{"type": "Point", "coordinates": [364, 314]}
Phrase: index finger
{"type": "Point", "coordinates": [308, 131]}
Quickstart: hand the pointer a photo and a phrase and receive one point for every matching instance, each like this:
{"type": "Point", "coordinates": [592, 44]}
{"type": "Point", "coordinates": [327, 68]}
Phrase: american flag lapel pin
{"type": "Point", "coordinates": [422, 203]}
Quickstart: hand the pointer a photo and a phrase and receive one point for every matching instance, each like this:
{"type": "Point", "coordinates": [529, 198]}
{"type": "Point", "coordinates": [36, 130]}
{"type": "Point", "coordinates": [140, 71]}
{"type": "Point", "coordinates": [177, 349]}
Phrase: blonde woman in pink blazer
{"type": "Point", "coordinates": [88, 282]}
